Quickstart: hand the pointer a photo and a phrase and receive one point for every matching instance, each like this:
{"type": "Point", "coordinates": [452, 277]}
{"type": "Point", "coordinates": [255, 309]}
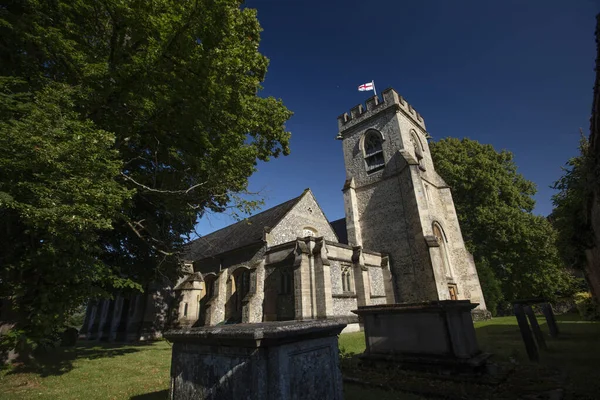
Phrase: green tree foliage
{"type": "Point", "coordinates": [121, 124]}
{"type": "Point", "coordinates": [569, 215]}
{"type": "Point", "coordinates": [515, 249]}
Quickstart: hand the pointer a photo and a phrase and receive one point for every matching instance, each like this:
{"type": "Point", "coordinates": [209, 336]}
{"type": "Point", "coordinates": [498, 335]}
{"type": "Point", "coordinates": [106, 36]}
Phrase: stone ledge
{"type": "Point", "coordinates": [346, 319]}
{"type": "Point", "coordinates": [428, 306]}
{"type": "Point", "coordinates": [262, 334]}
{"type": "Point", "coordinates": [344, 295]}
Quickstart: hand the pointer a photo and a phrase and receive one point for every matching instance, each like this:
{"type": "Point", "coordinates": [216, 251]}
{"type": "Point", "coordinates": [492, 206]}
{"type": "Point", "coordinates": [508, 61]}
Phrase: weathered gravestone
{"type": "Point", "coordinates": [271, 360]}
{"type": "Point", "coordinates": [523, 311]}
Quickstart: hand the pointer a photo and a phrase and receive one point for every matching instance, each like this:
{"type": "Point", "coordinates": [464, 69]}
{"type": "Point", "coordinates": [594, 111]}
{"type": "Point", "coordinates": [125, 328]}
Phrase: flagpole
{"type": "Point", "coordinates": [374, 91]}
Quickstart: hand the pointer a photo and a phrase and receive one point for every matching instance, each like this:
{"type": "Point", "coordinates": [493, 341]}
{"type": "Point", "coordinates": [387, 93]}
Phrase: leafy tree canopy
{"type": "Point", "coordinates": [121, 124]}
{"type": "Point", "coordinates": [569, 215]}
{"type": "Point", "coordinates": [494, 205]}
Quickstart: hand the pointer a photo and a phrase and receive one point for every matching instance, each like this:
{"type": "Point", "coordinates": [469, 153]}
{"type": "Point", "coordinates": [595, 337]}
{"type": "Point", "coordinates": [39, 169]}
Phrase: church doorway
{"type": "Point", "coordinates": [453, 291]}
{"type": "Point", "coordinates": [278, 304]}
{"type": "Point", "coordinates": [286, 309]}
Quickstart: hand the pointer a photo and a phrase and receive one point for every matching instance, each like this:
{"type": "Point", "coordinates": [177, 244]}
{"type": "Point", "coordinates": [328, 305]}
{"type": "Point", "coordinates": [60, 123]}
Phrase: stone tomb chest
{"type": "Point", "coordinates": [271, 360]}
{"type": "Point", "coordinates": [431, 334]}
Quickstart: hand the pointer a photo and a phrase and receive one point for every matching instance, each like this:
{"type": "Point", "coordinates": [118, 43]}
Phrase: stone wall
{"type": "Point", "coordinates": [343, 306]}
{"type": "Point", "coordinates": [441, 211]}
{"type": "Point", "coordinates": [268, 361]}
{"type": "Point", "coordinates": [377, 285]}
{"type": "Point", "coordinates": [219, 307]}
{"type": "Point", "coordinates": [336, 277]}
{"type": "Point", "coordinates": [305, 214]}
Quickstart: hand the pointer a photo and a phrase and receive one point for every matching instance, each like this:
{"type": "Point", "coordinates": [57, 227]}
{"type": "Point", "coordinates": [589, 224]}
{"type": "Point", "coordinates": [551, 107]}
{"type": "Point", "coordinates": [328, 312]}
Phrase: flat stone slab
{"type": "Point", "coordinates": [427, 306]}
{"type": "Point", "coordinates": [257, 335]}
{"type": "Point", "coordinates": [271, 360]}
{"type": "Point", "coordinates": [434, 334]}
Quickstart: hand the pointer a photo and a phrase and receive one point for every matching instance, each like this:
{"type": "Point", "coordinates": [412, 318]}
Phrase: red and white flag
{"type": "Point", "coordinates": [366, 87]}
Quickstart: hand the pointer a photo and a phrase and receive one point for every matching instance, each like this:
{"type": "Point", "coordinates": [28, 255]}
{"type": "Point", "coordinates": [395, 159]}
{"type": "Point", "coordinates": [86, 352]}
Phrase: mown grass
{"type": "Point", "coordinates": [141, 372]}
{"type": "Point", "coordinates": [570, 364]}
{"type": "Point", "coordinates": [93, 371]}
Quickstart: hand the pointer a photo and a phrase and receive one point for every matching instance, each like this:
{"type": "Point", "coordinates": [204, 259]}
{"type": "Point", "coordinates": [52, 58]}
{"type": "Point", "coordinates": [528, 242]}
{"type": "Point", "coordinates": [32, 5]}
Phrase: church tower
{"type": "Point", "coordinates": [396, 203]}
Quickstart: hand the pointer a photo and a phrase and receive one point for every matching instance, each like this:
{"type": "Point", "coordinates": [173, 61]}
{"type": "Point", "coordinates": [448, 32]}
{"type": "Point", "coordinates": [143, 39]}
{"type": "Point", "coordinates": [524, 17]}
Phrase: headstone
{"type": "Point", "coordinates": [535, 327]}
{"type": "Point", "coordinates": [526, 334]}
{"type": "Point", "coordinates": [550, 319]}
{"type": "Point", "coordinates": [266, 361]}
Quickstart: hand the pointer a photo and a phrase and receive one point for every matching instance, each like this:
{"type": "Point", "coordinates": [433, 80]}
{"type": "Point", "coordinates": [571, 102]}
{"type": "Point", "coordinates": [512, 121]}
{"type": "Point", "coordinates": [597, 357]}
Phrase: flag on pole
{"type": "Point", "coordinates": [366, 87]}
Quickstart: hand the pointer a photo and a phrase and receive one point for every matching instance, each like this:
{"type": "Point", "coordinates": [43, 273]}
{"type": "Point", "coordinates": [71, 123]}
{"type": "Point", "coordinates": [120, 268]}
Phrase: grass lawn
{"type": "Point", "coordinates": [141, 372]}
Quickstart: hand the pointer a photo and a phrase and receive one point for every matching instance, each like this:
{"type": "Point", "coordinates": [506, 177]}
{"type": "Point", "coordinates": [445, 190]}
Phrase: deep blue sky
{"type": "Point", "coordinates": [515, 74]}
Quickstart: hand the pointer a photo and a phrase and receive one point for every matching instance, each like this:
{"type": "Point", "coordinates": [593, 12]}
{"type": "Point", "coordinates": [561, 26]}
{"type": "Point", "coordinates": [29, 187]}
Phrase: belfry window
{"type": "Point", "coordinates": [373, 151]}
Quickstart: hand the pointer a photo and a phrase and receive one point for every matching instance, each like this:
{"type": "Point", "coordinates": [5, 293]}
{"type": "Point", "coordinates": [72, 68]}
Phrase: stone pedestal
{"type": "Point", "coordinates": [270, 360]}
{"type": "Point", "coordinates": [429, 335]}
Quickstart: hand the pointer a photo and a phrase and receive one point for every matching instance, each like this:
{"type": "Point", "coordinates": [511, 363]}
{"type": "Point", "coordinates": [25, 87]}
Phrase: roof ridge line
{"type": "Point", "coordinates": [252, 216]}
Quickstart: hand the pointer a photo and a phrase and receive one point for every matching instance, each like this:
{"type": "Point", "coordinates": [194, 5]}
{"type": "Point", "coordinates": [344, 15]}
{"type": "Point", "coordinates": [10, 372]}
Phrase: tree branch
{"type": "Point", "coordinates": [138, 234]}
{"type": "Point", "coordinates": [149, 189]}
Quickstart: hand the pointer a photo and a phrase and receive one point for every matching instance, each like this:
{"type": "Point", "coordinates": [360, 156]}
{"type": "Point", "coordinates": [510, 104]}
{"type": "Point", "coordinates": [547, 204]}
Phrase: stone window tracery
{"type": "Point", "coordinates": [373, 151]}
{"type": "Point", "coordinates": [242, 284]}
{"type": "Point", "coordinates": [346, 279]}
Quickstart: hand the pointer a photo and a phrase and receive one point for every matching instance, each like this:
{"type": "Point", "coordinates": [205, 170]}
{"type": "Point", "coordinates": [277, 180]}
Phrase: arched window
{"type": "Point", "coordinates": [242, 286]}
{"type": "Point", "coordinates": [418, 148]}
{"type": "Point", "coordinates": [346, 279]}
{"type": "Point", "coordinates": [373, 149]}
{"type": "Point", "coordinates": [443, 241]}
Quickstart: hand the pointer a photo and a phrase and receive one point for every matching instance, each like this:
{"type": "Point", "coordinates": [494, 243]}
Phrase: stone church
{"type": "Point", "coordinates": [400, 241]}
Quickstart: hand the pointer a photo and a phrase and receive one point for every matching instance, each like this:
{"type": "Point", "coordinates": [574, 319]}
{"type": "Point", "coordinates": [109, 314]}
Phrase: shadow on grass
{"type": "Point", "coordinates": [160, 395]}
{"type": "Point", "coordinates": [59, 361]}
{"type": "Point", "coordinates": [571, 358]}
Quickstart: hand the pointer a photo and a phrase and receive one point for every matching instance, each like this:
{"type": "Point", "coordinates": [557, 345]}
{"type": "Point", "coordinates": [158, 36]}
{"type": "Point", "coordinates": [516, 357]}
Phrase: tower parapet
{"type": "Point", "coordinates": [390, 98]}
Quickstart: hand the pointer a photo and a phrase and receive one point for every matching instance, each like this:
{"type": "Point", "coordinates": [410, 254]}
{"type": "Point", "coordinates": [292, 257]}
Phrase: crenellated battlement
{"type": "Point", "coordinates": [390, 98]}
